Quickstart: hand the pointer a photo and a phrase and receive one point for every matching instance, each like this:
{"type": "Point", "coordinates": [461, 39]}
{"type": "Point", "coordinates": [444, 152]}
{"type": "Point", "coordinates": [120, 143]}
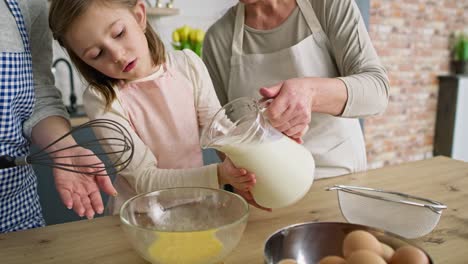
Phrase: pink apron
{"type": "Point", "coordinates": [162, 112]}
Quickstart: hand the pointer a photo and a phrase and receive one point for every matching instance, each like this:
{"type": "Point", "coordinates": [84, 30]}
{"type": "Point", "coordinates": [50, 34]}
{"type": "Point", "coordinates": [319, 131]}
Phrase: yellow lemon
{"type": "Point", "coordinates": [200, 35]}
{"type": "Point", "coordinates": [193, 35]}
{"type": "Point", "coordinates": [184, 32]}
{"type": "Point", "coordinates": [185, 247]}
{"type": "Point", "coordinates": [175, 36]}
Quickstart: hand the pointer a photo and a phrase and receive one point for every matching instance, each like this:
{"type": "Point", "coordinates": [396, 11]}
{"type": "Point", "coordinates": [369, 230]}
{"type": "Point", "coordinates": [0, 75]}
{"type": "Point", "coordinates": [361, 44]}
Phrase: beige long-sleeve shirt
{"type": "Point", "coordinates": [143, 173]}
{"type": "Point", "coordinates": [350, 46]}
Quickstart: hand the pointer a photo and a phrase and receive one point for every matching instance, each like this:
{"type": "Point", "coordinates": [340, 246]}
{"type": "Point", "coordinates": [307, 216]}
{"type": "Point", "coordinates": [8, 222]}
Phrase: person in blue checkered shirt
{"type": "Point", "coordinates": [31, 111]}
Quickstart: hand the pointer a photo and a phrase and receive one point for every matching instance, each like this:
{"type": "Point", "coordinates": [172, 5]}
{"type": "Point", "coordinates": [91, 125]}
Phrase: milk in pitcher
{"type": "Point", "coordinates": [284, 169]}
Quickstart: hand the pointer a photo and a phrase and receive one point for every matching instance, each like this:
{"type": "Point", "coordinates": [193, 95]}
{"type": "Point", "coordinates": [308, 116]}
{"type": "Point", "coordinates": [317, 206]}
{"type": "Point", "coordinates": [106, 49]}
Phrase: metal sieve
{"type": "Point", "coordinates": [406, 215]}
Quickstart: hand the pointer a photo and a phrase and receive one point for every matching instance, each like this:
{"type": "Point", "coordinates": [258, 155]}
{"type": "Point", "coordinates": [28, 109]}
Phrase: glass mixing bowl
{"type": "Point", "coordinates": [185, 225]}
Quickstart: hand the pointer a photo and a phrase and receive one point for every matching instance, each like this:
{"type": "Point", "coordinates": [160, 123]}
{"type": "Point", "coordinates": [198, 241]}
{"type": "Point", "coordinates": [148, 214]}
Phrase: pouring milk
{"type": "Point", "coordinates": [284, 169]}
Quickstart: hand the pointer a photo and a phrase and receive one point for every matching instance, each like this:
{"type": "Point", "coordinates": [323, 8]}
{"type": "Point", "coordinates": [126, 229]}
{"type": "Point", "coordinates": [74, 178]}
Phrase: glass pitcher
{"type": "Point", "coordinates": [284, 169]}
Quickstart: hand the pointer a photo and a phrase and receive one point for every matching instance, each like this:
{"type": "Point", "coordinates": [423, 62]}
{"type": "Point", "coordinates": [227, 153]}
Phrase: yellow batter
{"type": "Point", "coordinates": [185, 247]}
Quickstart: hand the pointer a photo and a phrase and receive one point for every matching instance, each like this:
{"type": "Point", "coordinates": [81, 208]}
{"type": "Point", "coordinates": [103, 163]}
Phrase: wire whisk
{"type": "Point", "coordinates": [114, 151]}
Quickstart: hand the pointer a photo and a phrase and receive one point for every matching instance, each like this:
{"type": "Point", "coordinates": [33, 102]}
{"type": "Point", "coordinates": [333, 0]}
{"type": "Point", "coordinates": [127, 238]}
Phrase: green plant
{"type": "Point", "coordinates": [460, 49]}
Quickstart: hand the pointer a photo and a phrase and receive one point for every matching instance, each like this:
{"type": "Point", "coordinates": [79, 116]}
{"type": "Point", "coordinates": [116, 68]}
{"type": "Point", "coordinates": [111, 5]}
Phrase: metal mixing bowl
{"type": "Point", "coordinates": [307, 243]}
{"type": "Point", "coordinates": [185, 225]}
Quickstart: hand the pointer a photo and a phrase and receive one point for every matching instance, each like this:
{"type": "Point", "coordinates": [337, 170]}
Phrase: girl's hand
{"type": "Point", "coordinates": [247, 195]}
{"type": "Point", "coordinates": [239, 178]}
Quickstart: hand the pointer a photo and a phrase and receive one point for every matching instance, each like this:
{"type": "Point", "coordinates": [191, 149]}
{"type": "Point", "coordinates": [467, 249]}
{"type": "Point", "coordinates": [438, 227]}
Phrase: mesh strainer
{"type": "Point", "coordinates": [402, 214]}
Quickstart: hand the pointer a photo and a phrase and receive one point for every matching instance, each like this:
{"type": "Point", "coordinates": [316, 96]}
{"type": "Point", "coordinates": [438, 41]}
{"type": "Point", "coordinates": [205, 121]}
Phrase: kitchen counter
{"type": "Point", "coordinates": [76, 121]}
{"type": "Point", "coordinates": [78, 117]}
{"type": "Point", "coordinates": [102, 240]}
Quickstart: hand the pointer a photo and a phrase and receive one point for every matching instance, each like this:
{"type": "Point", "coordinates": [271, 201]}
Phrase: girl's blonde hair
{"type": "Point", "coordinates": [64, 12]}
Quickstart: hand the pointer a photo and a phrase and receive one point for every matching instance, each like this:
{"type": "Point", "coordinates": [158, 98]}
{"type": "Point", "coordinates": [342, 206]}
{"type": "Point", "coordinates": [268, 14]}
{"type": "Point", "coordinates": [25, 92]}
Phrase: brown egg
{"type": "Point", "coordinates": [364, 257]}
{"type": "Point", "coordinates": [409, 255]}
{"type": "Point", "coordinates": [387, 252]}
{"type": "Point", "coordinates": [332, 260]}
{"type": "Point", "coordinates": [361, 240]}
{"type": "Point", "coordinates": [287, 261]}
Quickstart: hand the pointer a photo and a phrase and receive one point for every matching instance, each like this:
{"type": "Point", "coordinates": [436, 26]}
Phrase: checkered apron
{"type": "Point", "coordinates": [19, 201]}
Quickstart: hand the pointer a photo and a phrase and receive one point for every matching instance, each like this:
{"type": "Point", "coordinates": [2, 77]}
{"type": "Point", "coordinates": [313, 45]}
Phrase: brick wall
{"type": "Point", "coordinates": [412, 40]}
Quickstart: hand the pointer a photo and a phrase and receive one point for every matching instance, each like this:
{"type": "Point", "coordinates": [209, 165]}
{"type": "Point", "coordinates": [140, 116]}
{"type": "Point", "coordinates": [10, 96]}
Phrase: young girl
{"type": "Point", "coordinates": [163, 99]}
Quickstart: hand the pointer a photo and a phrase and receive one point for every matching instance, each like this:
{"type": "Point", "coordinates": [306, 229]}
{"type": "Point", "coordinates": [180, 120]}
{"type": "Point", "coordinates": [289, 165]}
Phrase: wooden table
{"type": "Point", "coordinates": [102, 241]}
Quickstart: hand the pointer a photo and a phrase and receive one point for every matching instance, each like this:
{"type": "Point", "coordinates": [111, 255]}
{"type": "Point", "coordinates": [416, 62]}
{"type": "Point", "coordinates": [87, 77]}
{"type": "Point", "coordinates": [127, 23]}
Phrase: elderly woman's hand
{"type": "Point", "coordinates": [290, 110]}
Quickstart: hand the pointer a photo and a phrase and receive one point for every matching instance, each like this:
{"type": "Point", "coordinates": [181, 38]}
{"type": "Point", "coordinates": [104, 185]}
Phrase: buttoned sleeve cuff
{"type": "Point", "coordinates": [365, 98]}
{"type": "Point", "coordinates": [212, 171]}
{"type": "Point", "coordinates": [351, 101]}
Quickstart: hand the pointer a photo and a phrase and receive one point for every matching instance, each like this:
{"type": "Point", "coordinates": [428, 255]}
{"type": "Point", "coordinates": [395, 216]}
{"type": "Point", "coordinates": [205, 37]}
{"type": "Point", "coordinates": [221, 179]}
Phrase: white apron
{"type": "Point", "coordinates": [336, 143]}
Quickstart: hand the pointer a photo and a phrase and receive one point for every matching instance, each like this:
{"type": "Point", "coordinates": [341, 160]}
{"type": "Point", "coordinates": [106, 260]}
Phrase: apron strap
{"type": "Point", "coordinates": [16, 11]}
{"type": "Point", "coordinates": [238, 36]}
{"type": "Point", "coordinates": [309, 15]}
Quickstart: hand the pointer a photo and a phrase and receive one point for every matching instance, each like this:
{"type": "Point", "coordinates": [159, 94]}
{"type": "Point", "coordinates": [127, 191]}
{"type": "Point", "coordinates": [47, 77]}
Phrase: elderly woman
{"type": "Point", "coordinates": [315, 58]}
{"type": "Point", "coordinates": [31, 110]}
